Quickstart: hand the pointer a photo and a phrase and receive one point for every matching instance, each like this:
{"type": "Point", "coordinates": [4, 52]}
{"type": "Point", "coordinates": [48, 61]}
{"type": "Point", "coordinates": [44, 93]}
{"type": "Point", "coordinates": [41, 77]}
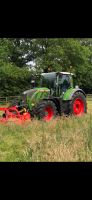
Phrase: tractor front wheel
{"type": "Point", "coordinates": [78, 104]}
{"type": "Point", "coordinates": [46, 110]}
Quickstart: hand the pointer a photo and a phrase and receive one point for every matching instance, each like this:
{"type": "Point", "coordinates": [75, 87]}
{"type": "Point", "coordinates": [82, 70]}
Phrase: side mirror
{"type": "Point", "coordinates": [33, 83]}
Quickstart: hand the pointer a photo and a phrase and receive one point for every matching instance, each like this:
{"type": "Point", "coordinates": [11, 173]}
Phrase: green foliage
{"type": "Point", "coordinates": [13, 80]}
{"type": "Point", "coordinates": [61, 54]}
{"type": "Point", "coordinates": [49, 54]}
{"type": "Point", "coordinates": [20, 51]}
{"type": "Point", "coordinates": [4, 51]}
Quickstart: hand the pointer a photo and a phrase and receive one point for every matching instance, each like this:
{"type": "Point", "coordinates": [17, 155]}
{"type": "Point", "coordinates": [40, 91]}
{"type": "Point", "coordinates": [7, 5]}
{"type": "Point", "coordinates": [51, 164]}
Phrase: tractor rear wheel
{"type": "Point", "coordinates": [46, 110]}
{"type": "Point", "coordinates": [78, 104]}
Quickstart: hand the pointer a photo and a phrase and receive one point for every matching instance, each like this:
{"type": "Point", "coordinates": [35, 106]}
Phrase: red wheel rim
{"type": "Point", "coordinates": [49, 113]}
{"type": "Point", "coordinates": [78, 106]}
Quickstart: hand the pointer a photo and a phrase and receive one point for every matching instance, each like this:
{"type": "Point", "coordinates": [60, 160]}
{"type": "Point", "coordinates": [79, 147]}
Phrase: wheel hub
{"type": "Point", "coordinates": [78, 106]}
{"type": "Point", "coordinates": [49, 113]}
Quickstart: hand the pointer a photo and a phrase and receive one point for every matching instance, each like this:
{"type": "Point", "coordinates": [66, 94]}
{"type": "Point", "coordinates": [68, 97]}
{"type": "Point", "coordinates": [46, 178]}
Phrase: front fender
{"type": "Point", "coordinates": [70, 92]}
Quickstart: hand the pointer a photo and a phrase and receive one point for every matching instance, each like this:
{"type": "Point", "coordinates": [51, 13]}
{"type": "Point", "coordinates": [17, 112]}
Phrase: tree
{"type": "Point", "coordinates": [4, 51]}
{"type": "Point", "coordinates": [21, 51]}
{"type": "Point", "coordinates": [60, 54]}
{"type": "Point", "coordinates": [13, 80]}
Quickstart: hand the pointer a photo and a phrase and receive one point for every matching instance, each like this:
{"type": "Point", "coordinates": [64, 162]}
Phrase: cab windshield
{"type": "Point", "coordinates": [48, 80]}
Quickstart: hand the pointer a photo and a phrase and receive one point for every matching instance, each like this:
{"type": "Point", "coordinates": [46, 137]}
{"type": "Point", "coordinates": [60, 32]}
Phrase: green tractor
{"type": "Point", "coordinates": [55, 96]}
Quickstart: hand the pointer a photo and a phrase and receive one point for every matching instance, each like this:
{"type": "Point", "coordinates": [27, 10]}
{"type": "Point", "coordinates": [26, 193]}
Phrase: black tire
{"type": "Point", "coordinates": [40, 110]}
{"type": "Point", "coordinates": [82, 107]}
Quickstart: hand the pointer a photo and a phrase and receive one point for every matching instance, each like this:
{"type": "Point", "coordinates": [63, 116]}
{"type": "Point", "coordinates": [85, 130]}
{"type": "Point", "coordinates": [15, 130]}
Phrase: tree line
{"type": "Point", "coordinates": [47, 54]}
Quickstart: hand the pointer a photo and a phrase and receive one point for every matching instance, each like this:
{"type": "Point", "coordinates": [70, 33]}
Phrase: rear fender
{"type": "Point", "coordinates": [70, 92]}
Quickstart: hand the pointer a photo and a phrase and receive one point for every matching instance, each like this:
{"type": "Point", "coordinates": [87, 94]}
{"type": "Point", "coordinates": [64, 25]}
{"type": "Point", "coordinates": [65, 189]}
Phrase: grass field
{"type": "Point", "coordinates": [65, 139]}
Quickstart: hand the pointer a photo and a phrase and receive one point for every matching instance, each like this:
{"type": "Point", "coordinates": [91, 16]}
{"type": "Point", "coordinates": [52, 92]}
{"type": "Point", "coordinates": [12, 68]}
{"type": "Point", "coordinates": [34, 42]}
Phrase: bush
{"type": "Point", "coordinates": [13, 80]}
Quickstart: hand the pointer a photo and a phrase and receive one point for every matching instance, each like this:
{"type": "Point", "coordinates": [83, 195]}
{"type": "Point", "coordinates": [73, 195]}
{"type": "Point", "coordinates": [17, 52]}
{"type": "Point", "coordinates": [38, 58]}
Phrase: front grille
{"type": "Point", "coordinates": [24, 99]}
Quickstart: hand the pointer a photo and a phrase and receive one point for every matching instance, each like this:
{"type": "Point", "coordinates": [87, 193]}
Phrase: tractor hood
{"type": "Point", "coordinates": [33, 96]}
{"type": "Point", "coordinates": [32, 91]}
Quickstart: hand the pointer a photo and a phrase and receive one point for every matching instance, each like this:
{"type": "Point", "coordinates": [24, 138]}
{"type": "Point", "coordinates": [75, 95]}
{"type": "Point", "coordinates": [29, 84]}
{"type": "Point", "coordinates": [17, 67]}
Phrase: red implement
{"type": "Point", "coordinates": [13, 114]}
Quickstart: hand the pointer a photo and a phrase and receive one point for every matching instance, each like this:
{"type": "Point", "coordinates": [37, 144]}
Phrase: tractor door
{"type": "Point", "coordinates": [63, 83]}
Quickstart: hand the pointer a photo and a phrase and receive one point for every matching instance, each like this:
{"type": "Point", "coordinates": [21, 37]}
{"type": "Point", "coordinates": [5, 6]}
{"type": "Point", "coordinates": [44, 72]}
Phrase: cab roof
{"type": "Point", "coordinates": [67, 73]}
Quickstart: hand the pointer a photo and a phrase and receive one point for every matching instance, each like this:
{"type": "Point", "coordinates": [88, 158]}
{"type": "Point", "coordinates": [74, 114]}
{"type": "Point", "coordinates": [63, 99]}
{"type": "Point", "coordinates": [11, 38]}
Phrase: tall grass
{"type": "Point", "coordinates": [62, 139]}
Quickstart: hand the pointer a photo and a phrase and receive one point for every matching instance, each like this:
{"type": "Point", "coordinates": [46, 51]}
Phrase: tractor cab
{"type": "Point", "coordinates": [65, 80]}
{"type": "Point", "coordinates": [57, 82]}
